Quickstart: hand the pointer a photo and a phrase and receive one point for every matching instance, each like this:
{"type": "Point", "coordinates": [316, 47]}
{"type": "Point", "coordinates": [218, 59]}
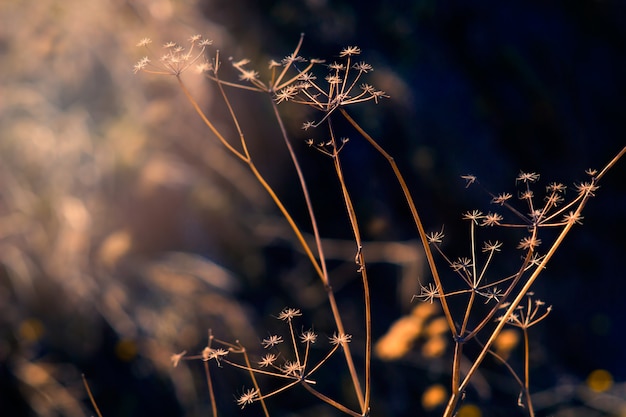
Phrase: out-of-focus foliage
{"type": "Point", "coordinates": [107, 224]}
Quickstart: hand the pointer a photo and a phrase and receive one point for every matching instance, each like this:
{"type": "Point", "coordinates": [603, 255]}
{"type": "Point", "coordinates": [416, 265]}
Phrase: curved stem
{"type": "Point", "coordinates": [529, 402]}
{"type": "Point", "coordinates": [332, 402]}
{"type": "Point", "coordinates": [287, 216]}
{"type": "Point", "coordinates": [522, 293]}
{"type": "Point", "coordinates": [245, 157]}
{"type": "Point", "coordinates": [208, 123]}
{"type": "Point", "coordinates": [254, 380]}
{"type": "Point", "coordinates": [318, 242]}
{"type": "Point", "coordinates": [416, 219]}
{"type": "Point", "coordinates": [360, 260]}
{"type": "Point", "coordinates": [305, 193]}
{"type": "Point", "coordinates": [91, 397]}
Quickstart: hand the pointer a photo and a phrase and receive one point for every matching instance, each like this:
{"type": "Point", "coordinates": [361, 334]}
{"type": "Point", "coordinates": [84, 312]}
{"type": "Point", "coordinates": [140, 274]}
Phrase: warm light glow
{"type": "Point", "coordinates": [469, 410]}
{"type": "Point", "coordinates": [600, 380]}
{"type": "Point", "coordinates": [434, 396]}
{"type": "Point", "coordinates": [506, 342]}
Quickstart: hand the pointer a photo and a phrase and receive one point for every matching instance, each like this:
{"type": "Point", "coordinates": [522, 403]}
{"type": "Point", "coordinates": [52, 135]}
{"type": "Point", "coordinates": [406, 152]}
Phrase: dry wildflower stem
{"type": "Point", "coordinates": [461, 336]}
{"type": "Point", "coordinates": [288, 83]}
{"type": "Point", "coordinates": [459, 388]}
{"type": "Point", "coordinates": [90, 394]}
{"type": "Point", "coordinates": [175, 64]}
{"type": "Point", "coordinates": [360, 261]}
{"type": "Point", "coordinates": [416, 218]}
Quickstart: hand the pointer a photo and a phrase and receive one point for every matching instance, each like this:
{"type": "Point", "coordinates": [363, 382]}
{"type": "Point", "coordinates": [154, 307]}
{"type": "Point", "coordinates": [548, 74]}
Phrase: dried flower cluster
{"type": "Point", "coordinates": [294, 365]}
{"type": "Point", "coordinates": [176, 58]}
{"type": "Point", "coordinates": [328, 89]}
{"type": "Point", "coordinates": [553, 212]}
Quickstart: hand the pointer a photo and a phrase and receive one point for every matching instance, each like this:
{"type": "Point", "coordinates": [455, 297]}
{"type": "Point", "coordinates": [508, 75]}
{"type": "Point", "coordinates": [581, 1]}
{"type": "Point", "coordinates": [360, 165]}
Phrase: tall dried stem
{"type": "Point", "coordinates": [363, 401]}
{"type": "Point", "coordinates": [457, 391]}
{"type": "Point", "coordinates": [360, 261]}
{"type": "Point", "coordinates": [416, 218]}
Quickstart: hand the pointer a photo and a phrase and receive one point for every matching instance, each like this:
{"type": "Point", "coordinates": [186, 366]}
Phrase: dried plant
{"type": "Point", "coordinates": [490, 302]}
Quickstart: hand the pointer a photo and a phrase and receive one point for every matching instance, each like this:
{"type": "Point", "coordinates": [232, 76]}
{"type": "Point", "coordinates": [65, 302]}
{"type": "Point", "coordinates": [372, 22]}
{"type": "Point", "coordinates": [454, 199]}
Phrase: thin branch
{"type": "Point", "coordinates": [452, 403]}
{"type": "Point", "coordinates": [360, 259]}
{"type": "Point", "coordinates": [332, 402]}
{"type": "Point", "coordinates": [416, 218]}
{"type": "Point", "coordinates": [91, 398]}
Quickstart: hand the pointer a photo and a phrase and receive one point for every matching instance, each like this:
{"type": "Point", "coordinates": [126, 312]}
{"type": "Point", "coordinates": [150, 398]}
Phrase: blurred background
{"type": "Point", "coordinates": [126, 232]}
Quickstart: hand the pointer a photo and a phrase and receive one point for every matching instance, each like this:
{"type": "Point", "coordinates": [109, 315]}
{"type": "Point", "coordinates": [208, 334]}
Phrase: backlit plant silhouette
{"type": "Point", "coordinates": [490, 302]}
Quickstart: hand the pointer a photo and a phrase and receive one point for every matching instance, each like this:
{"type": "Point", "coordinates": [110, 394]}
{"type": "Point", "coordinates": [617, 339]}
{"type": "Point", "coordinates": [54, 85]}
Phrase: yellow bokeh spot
{"type": "Point", "coordinates": [434, 396]}
{"type": "Point", "coordinates": [437, 327]}
{"type": "Point", "coordinates": [506, 342]}
{"type": "Point", "coordinates": [399, 339]}
{"type": "Point", "coordinates": [600, 380]}
{"type": "Point", "coordinates": [126, 350]}
{"type": "Point", "coordinates": [469, 410]}
{"type": "Point", "coordinates": [31, 330]}
{"type": "Point", "coordinates": [434, 347]}
{"type": "Point", "coordinates": [425, 310]}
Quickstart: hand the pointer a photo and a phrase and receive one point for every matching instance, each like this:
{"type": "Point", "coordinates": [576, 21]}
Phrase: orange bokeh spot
{"type": "Point", "coordinates": [434, 396]}
{"type": "Point", "coordinates": [469, 410]}
{"type": "Point", "coordinates": [600, 380]}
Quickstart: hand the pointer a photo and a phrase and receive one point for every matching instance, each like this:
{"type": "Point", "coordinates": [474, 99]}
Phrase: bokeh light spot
{"type": "Point", "coordinates": [126, 350]}
{"type": "Point", "coordinates": [469, 410]}
{"type": "Point", "coordinates": [434, 396]}
{"type": "Point", "coordinates": [600, 380]}
{"type": "Point", "coordinates": [506, 342]}
{"type": "Point", "coordinates": [31, 330]}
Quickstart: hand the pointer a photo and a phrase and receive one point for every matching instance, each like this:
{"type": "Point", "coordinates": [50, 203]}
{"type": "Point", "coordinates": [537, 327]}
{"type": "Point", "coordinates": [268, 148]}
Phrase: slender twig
{"type": "Point", "coordinates": [209, 380]}
{"type": "Point", "coordinates": [360, 260]}
{"type": "Point", "coordinates": [529, 402]}
{"type": "Point", "coordinates": [332, 402]}
{"type": "Point", "coordinates": [208, 123]}
{"type": "Point", "coordinates": [416, 218]}
{"type": "Point", "coordinates": [322, 261]}
{"type": "Point", "coordinates": [254, 380]}
{"type": "Point", "coordinates": [245, 158]}
{"type": "Point", "coordinates": [305, 193]}
{"type": "Point", "coordinates": [505, 296]}
{"type": "Point", "coordinates": [91, 398]}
